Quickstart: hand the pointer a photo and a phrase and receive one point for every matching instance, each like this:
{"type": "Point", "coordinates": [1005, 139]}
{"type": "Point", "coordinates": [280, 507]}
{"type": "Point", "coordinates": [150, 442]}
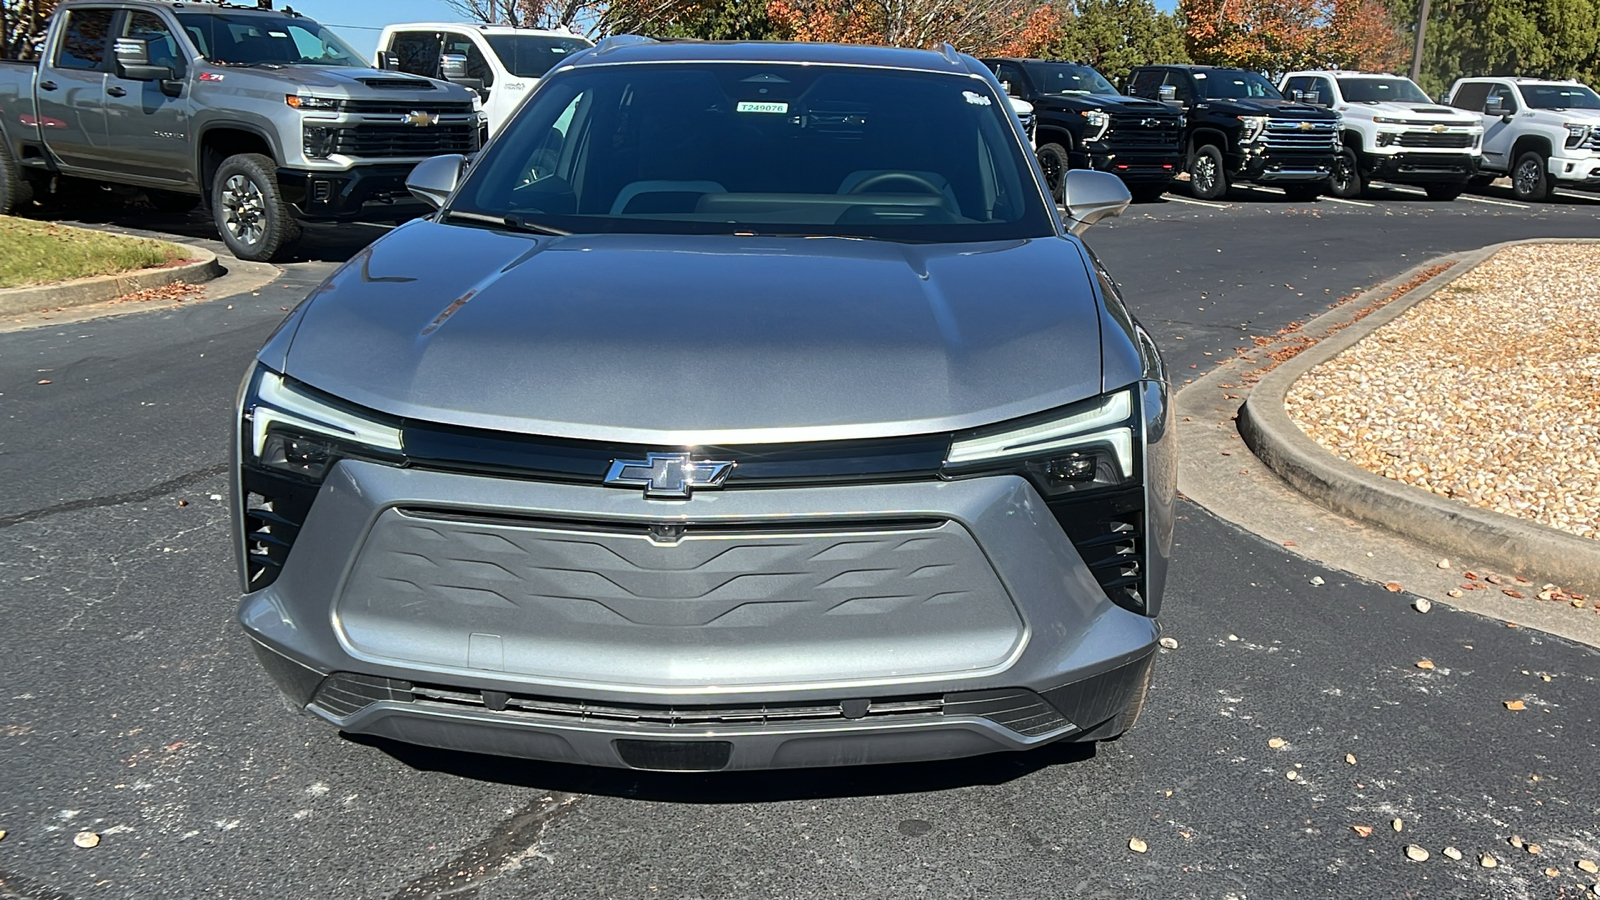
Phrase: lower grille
{"type": "Point", "coordinates": [1109, 533]}
{"type": "Point", "coordinates": [274, 509]}
{"type": "Point", "coordinates": [378, 141]}
{"type": "Point", "coordinates": [1457, 141]}
{"type": "Point", "coordinates": [343, 694]}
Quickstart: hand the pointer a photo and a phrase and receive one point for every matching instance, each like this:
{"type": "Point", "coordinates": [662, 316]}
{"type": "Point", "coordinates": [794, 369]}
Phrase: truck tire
{"type": "Point", "coordinates": [16, 191]}
{"type": "Point", "coordinates": [1530, 179]}
{"type": "Point", "coordinates": [1208, 178]}
{"type": "Point", "coordinates": [249, 209]}
{"type": "Point", "coordinates": [1054, 161]}
{"type": "Point", "coordinates": [1444, 192]}
{"type": "Point", "coordinates": [1347, 180]}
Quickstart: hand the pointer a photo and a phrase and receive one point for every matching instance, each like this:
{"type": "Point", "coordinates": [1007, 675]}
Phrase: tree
{"type": "Point", "coordinates": [712, 20]}
{"type": "Point", "coordinates": [1274, 36]}
{"type": "Point", "coordinates": [1539, 38]}
{"type": "Point", "coordinates": [973, 26]}
{"type": "Point", "coordinates": [1113, 36]}
{"type": "Point", "coordinates": [570, 14]}
{"type": "Point", "coordinates": [22, 27]}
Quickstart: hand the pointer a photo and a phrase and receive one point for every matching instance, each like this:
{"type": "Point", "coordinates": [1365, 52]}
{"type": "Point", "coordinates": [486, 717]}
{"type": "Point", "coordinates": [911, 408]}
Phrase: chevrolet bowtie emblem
{"type": "Point", "coordinates": [419, 119]}
{"type": "Point", "coordinates": [669, 476]}
{"type": "Point", "coordinates": [1438, 129]}
{"type": "Point", "coordinates": [1305, 126]}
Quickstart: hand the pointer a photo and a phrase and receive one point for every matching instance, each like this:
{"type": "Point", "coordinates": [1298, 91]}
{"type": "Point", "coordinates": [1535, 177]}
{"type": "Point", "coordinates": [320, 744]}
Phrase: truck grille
{"type": "Point", "coordinates": [1143, 131]}
{"type": "Point", "coordinates": [1301, 134]}
{"type": "Point", "coordinates": [376, 141]}
{"type": "Point", "coordinates": [1593, 143]}
{"type": "Point", "coordinates": [403, 107]}
{"type": "Point", "coordinates": [1444, 141]}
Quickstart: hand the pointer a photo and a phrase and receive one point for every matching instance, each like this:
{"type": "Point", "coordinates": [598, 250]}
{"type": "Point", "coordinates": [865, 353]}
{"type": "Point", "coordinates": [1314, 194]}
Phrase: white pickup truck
{"type": "Point", "coordinates": [1391, 131]}
{"type": "Point", "coordinates": [500, 62]}
{"type": "Point", "coordinates": [1540, 132]}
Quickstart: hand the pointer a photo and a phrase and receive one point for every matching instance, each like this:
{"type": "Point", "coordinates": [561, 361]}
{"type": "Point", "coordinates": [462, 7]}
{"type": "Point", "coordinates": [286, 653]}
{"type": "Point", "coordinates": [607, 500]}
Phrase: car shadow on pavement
{"type": "Point", "coordinates": [737, 787]}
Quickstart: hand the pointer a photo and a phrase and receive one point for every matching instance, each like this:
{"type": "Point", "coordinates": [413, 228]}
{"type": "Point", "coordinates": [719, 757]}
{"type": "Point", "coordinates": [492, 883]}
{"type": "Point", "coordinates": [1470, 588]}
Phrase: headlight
{"type": "Point", "coordinates": [304, 102]}
{"type": "Point", "coordinates": [1253, 126]}
{"type": "Point", "coordinates": [288, 429]}
{"type": "Point", "coordinates": [1383, 121]}
{"type": "Point", "coordinates": [1577, 133]}
{"type": "Point", "coordinates": [1087, 445]}
{"type": "Point", "coordinates": [1099, 124]}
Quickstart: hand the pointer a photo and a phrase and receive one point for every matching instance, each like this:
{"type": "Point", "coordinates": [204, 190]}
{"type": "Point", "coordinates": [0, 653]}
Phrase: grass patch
{"type": "Point", "coordinates": [43, 253]}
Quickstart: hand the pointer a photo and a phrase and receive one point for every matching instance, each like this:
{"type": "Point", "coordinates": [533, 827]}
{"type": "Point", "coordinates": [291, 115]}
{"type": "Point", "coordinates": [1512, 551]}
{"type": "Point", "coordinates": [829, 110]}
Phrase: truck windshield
{"type": "Point", "coordinates": [1380, 90]}
{"type": "Point", "coordinates": [1221, 84]}
{"type": "Point", "coordinates": [246, 39]}
{"type": "Point", "coordinates": [1560, 96]}
{"type": "Point", "coordinates": [760, 148]}
{"type": "Point", "coordinates": [1065, 78]}
{"type": "Point", "coordinates": [532, 55]}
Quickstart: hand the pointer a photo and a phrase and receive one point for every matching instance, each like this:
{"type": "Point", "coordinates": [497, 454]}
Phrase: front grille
{"type": "Point", "coordinates": [377, 141]}
{"type": "Point", "coordinates": [1593, 142]}
{"type": "Point", "coordinates": [1441, 141]}
{"type": "Point", "coordinates": [1288, 134]}
{"type": "Point", "coordinates": [1023, 711]}
{"type": "Point", "coordinates": [274, 509]}
{"type": "Point", "coordinates": [404, 107]}
{"type": "Point", "coordinates": [1109, 532]}
{"type": "Point", "coordinates": [1143, 131]}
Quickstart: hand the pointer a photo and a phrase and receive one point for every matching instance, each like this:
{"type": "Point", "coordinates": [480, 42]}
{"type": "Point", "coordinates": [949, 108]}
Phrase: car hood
{"type": "Point", "coordinates": [1111, 103]}
{"type": "Point", "coordinates": [351, 83]}
{"type": "Point", "coordinates": [1285, 108]}
{"type": "Point", "coordinates": [682, 340]}
{"type": "Point", "coordinates": [1420, 112]}
{"type": "Point", "coordinates": [1581, 116]}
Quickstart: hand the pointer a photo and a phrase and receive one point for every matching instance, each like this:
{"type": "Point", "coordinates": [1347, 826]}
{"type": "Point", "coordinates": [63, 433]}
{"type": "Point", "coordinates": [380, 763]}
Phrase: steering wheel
{"type": "Point", "coordinates": [917, 180]}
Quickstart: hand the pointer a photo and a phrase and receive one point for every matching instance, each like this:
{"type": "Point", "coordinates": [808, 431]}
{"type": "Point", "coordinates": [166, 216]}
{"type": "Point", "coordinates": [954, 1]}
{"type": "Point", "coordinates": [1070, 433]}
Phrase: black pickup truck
{"type": "Point", "coordinates": [1241, 129]}
{"type": "Point", "coordinates": [1083, 123]}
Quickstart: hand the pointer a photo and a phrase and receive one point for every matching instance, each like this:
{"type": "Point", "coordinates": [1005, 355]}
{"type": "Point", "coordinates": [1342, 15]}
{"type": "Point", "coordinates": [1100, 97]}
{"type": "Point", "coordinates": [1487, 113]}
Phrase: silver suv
{"type": "Point", "coordinates": [742, 406]}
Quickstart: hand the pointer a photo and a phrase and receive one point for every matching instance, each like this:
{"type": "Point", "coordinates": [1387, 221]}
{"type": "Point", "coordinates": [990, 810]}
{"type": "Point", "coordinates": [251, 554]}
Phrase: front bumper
{"type": "Point", "coordinates": [1580, 170]}
{"type": "Point", "coordinates": [1430, 168]}
{"type": "Point", "coordinates": [1139, 167]}
{"type": "Point", "coordinates": [1279, 167]}
{"type": "Point", "coordinates": [524, 627]}
{"type": "Point", "coordinates": [334, 195]}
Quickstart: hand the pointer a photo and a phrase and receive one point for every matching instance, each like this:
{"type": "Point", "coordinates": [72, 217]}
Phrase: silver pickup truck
{"type": "Point", "coordinates": [268, 117]}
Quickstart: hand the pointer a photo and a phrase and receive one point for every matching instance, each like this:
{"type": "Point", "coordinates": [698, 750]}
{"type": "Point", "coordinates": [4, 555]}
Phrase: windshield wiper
{"type": "Point", "coordinates": [523, 223]}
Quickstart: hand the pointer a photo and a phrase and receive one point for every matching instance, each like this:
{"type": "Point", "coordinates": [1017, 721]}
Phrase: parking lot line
{"type": "Point", "coordinates": [1400, 188]}
{"type": "Point", "coordinates": [1494, 202]}
{"type": "Point", "coordinates": [1269, 190]}
{"type": "Point", "coordinates": [1197, 202]}
{"type": "Point", "coordinates": [1577, 195]}
{"type": "Point", "coordinates": [1343, 200]}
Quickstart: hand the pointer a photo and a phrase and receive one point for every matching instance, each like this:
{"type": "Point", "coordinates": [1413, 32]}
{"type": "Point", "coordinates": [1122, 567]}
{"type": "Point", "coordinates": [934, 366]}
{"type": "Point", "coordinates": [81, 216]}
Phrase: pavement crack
{"type": "Point", "coordinates": [507, 849]}
{"type": "Point", "coordinates": [165, 487]}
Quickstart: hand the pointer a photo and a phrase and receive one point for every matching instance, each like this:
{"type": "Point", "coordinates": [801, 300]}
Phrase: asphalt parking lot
{"type": "Point", "coordinates": [132, 706]}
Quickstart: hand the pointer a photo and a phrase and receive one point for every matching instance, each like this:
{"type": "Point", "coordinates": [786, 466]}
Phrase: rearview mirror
{"type": "Point", "coordinates": [435, 179]}
{"type": "Point", "coordinates": [133, 61]}
{"type": "Point", "coordinates": [1090, 196]}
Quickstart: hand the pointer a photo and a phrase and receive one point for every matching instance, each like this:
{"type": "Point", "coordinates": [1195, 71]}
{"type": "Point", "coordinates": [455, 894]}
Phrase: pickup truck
{"type": "Point", "coordinates": [1081, 122]}
{"type": "Point", "coordinates": [1540, 132]}
{"type": "Point", "coordinates": [268, 117]}
{"type": "Point", "coordinates": [501, 63]}
{"type": "Point", "coordinates": [1392, 131]}
{"type": "Point", "coordinates": [1240, 129]}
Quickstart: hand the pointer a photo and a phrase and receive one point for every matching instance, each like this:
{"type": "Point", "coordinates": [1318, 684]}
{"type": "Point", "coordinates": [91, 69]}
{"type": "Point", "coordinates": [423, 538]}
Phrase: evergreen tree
{"type": "Point", "coordinates": [1113, 36]}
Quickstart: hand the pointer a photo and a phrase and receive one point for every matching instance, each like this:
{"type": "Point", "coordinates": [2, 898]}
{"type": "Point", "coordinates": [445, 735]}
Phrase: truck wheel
{"type": "Point", "coordinates": [249, 210]}
{"type": "Point", "coordinates": [16, 191]}
{"type": "Point", "coordinates": [1529, 178]}
{"type": "Point", "coordinates": [1207, 178]}
{"type": "Point", "coordinates": [1444, 192]}
{"type": "Point", "coordinates": [171, 201]}
{"type": "Point", "coordinates": [1347, 181]}
{"type": "Point", "coordinates": [1054, 162]}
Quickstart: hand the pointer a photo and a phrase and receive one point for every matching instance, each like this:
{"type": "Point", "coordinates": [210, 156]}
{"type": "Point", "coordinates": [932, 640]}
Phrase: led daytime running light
{"type": "Point", "coordinates": [278, 403]}
{"type": "Point", "coordinates": [1089, 426]}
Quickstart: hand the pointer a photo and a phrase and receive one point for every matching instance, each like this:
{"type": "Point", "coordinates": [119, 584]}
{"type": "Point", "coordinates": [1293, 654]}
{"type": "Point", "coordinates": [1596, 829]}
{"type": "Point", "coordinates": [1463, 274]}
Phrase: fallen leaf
{"type": "Point", "coordinates": [183, 503]}
{"type": "Point", "coordinates": [1515, 841]}
{"type": "Point", "coordinates": [1487, 861]}
{"type": "Point", "coordinates": [1169, 643]}
{"type": "Point", "coordinates": [1137, 845]}
{"type": "Point", "coordinates": [1394, 587]}
{"type": "Point", "coordinates": [1362, 830]}
{"type": "Point", "coordinates": [1317, 580]}
{"type": "Point", "coordinates": [1291, 544]}
{"type": "Point", "coordinates": [1292, 775]}
{"type": "Point", "coordinates": [1452, 852]}
{"type": "Point", "coordinates": [44, 381]}
{"type": "Point", "coordinates": [1455, 592]}
{"type": "Point", "coordinates": [1472, 576]}
{"type": "Point", "coordinates": [86, 839]}
{"type": "Point", "coordinates": [1586, 865]}
{"type": "Point", "coordinates": [1422, 604]}
{"type": "Point", "coordinates": [1494, 579]}
{"type": "Point", "coordinates": [1443, 563]}
{"type": "Point", "coordinates": [1515, 595]}
{"type": "Point", "coordinates": [1416, 854]}
{"type": "Point", "coordinates": [1276, 742]}
{"type": "Point", "coordinates": [1515, 706]}
{"type": "Point", "coordinates": [1350, 758]}
{"type": "Point", "coordinates": [1424, 663]}
{"type": "Point", "coordinates": [1397, 825]}
{"type": "Point", "coordinates": [1534, 848]}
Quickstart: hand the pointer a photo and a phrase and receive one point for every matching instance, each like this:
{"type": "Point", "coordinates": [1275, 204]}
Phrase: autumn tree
{"type": "Point", "coordinates": [1113, 36]}
{"type": "Point", "coordinates": [22, 26]}
{"type": "Point", "coordinates": [712, 20]}
{"type": "Point", "coordinates": [570, 14]}
{"type": "Point", "coordinates": [972, 26]}
{"type": "Point", "coordinates": [1274, 36]}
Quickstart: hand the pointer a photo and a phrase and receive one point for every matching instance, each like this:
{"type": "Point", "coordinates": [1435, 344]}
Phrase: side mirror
{"type": "Point", "coordinates": [388, 61]}
{"type": "Point", "coordinates": [133, 61]}
{"type": "Point", "coordinates": [1168, 93]}
{"type": "Point", "coordinates": [452, 66]}
{"type": "Point", "coordinates": [435, 179]}
{"type": "Point", "coordinates": [1495, 106]}
{"type": "Point", "coordinates": [1090, 196]}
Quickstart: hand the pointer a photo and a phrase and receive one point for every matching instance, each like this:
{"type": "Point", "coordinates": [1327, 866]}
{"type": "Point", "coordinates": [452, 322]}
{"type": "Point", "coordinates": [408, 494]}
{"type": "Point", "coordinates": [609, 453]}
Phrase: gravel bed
{"type": "Point", "coordinates": [1487, 392]}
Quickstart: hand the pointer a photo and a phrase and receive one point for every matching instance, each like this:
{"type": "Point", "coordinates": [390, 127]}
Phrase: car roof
{"type": "Point", "coordinates": [1187, 67]}
{"type": "Point", "coordinates": [1518, 79]}
{"type": "Point", "coordinates": [625, 49]}
{"type": "Point", "coordinates": [482, 28]}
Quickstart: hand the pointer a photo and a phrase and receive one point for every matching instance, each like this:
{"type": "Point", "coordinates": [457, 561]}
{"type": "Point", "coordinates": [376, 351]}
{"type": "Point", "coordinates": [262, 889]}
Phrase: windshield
{"type": "Point", "coordinates": [1223, 84]}
{"type": "Point", "coordinates": [1065, 78]}
{"type": "Point", "coordinates": [1379, 90]}
{"type": "Point", "coordinates": [532, 55]}
{"type": "Point", "coordinates": [243, 39]}
{"type": "Point", "coordinates": [759, 148]}
{"type": "Point", "coordinates": [1560, 96]}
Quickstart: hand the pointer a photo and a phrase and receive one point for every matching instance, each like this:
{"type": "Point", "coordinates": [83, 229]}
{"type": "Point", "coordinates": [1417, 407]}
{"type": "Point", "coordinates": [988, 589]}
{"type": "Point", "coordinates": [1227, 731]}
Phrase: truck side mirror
{"type": "Point", "coordinates": [453, 67]}
{"type": "Point", "coordinates": [1495, 106]}
{"type": "Point", "coordinates": [1090, 196]}
{"type": "Point", "coordinates": [1168, 93]}
{"type": "Point", "coordinates": [435, 179]}
{"type": "Point", "coordinates": [133, 61]}
{"type": "Point", "coordinates": [388, 61]}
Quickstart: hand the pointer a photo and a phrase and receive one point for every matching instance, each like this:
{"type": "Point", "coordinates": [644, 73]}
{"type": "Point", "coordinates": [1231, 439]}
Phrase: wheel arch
{"type": "Point", "coordinates": [224, 139]}
{"type": "Point", "coordinates": [1537, 143]}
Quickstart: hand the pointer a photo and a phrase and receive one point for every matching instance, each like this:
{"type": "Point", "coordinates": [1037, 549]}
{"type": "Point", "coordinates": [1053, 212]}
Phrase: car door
{"type": "Point", "coordinates": [150, 128]}
{"type": "Point", "coordinates": [72, 89]}
{"type": "Point", "coordinates": [1499, 134]}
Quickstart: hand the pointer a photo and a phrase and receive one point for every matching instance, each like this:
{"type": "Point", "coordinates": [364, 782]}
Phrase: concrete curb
{"type": "Point", "coordinates": [201, 267]}
{"type": "Point", "coordinates": [1515, 545]}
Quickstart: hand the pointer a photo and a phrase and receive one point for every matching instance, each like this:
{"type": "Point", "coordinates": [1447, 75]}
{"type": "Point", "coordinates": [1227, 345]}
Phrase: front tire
{"type": "Point", "coordinates": [1054, 161]}
{"type": "Point", "coordinates": [1530, 178]}
{"type": "Point", "coordinates": [249, 209]}
{"type": "Point", "coordinates": [1347, 181]}
{"type": "Point", "coordinates": [1444, 193]}
{"type": "Point", "coordinates": [16, 191]}
{"type": "Point", "coordinates": [1208, 180]}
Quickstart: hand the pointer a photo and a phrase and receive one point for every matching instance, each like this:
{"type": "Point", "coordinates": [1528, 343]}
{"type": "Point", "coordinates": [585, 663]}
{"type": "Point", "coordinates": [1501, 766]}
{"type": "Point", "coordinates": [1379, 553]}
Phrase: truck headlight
{"type": "Point", "coordinates": [1087, 445]}
{"type": "Point", "coordinates": [1577, 133]}
{"type": "Point", "coordinates": [1099, 123]}
{"type": "Point", "coordinates": [1253, 127]}
{"type": "Point", "coordinates": [289, 429]}
{"type": "Point", "coordinates": [309, 103]}
{"type": "Point", "coordinates": [1380, 120]}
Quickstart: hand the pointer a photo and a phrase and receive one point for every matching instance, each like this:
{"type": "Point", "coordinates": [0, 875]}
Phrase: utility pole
{"type": "Point", "coordinates": [1416, 53]}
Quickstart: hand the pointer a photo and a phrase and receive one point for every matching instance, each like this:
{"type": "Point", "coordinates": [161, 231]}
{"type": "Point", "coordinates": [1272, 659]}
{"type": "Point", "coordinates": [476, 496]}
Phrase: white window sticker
{"type": "Point", "coordinates": [975, 99]}
{"type": "Point", "coordinates": [760, 106]}
{"type": "Point", "coordinates": [1200, 75]}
